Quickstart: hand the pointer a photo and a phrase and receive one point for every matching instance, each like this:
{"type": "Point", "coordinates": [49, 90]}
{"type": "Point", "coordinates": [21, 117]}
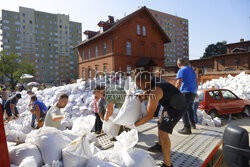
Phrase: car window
{"type": "Point", "coordinates": [215, 95]}
{"type": "Point", "coordinates": [201, 95]}
{"type": "Point", "coordinates": [228, 95]}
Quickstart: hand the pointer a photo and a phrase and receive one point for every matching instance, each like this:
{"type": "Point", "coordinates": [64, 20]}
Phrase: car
{"type": "Point", "coordinates": [217, 102]}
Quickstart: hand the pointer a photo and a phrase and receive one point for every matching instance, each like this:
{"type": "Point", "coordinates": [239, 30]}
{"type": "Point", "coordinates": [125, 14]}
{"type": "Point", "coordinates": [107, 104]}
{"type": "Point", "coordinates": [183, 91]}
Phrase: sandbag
{"type": "Point", "coordinates": [110, 156]}
{"type": "Point", "coordinates": [95, 162]}
{"type": "Point", "coordinates": [28, 162]}
{"type": "Point", "coordinates": [110, 128]}
{"type": "Point", "coordinates": [217, 121]}
{"type": "Point", "coordinates": [19, 153]}
{"type": "Point", "coordinates": [132, 157]}
{"type": "Point", "coordinates": [130, 111]}
{"type": "Point", "coordinates": [78, 152]}
{"type": "Point", "coordinates": [83, 125]}
{"type": "Point", "coordinates": [54, 164]}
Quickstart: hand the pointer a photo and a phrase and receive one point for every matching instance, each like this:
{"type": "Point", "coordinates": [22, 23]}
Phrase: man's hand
{"type": "Point", "coordinates": [32, 111]}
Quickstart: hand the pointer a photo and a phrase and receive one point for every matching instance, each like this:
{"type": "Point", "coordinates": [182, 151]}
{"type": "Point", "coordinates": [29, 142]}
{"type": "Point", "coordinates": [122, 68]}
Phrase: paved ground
{"type": "Point", "coordinates": [148, 136]}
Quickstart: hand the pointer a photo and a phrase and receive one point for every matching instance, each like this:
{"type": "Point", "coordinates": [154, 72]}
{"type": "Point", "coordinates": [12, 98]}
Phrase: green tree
{"type": "Point", "coordinates": [215, 49]}
{"type": "Point", "coordinates": [12, 68]}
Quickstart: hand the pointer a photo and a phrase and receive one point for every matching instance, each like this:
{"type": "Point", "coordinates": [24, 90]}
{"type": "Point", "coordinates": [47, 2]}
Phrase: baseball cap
{"type": "Point", "coordinates": [18, 95]}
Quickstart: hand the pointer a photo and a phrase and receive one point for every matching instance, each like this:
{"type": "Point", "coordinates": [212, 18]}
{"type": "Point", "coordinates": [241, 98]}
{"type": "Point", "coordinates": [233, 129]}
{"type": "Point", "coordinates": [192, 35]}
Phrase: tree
{"type": "Point", "coordinates": [215, 49]}
{"type": "Point", "coordinates": [12, 68]}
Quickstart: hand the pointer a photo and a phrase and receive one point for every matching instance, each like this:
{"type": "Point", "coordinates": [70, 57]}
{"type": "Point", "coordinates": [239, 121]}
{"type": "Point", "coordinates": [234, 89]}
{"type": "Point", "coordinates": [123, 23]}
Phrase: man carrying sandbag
{"type": "Point", "coordinates": [174, 105]}
{"type": "Point", "coordinates": [40, 110]}
{"type": "Point", "coordinates": [109, 98]}
{"type": "Point", "coordinates": [54, 116]}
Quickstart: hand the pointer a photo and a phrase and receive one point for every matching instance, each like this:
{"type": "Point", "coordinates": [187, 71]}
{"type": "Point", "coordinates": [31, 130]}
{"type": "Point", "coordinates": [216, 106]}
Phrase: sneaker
{"type": "Point", "coordinates": [155, 148]}
{"type": "Point", "coordinates": [193, 126]}
{"type": "Point", "coordinates": [185, 131]}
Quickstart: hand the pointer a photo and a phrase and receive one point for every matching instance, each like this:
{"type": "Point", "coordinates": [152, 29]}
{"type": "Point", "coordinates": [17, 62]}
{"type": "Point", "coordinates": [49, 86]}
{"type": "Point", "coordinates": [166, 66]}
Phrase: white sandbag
{"type": "Point", "coordinates": [132, 157]}
{"type": "Point", "coordinates": [110, 156]}
{"type": "Point", "coordinates": [95, 162]}
{"type": "Point", "coordinates": [143, 109]}
{"type": "Point", "coordinates": [110, 128]}
{"type": "Point", "coordinates": [28, 162]}
{"type": "Point", "coordinates": [208, 122]}
{"type": "Point", "coordinates": [217, 121]}
{"type": "Point", "coordinates": [19, 153]}
{"type": "Point", "coordinates": [130, 111]}
{"type": "Point", "coordinates": [54, 164]}
{"type": "Point", "coordinates": [78, 152]}
{"type": "Point", "coordinates": [137, 158]}
{"type": "Point", "coordinates": [205, 115]}
{"type": "Point", "coordinates": [83, 125]}
{"type": "Point", "coordinates": [50, 142]}
{"type": "Point", "coordinates": [51, 146]}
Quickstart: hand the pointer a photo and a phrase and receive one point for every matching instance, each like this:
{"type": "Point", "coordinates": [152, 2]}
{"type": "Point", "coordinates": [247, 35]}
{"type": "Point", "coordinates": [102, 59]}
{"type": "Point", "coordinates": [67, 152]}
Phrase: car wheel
{"type": "Point", "coordinates": [246, 111]}
{"type": "Point", "coordinates": [213, 114]}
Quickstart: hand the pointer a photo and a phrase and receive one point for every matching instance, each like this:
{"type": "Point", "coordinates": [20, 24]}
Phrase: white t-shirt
{"type": "Point", "coordinates": [48, 119]}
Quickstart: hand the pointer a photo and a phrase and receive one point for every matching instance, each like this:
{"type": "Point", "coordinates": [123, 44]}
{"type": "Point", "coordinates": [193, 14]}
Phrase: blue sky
{"type": "Point", "coordinates": [210, 21]}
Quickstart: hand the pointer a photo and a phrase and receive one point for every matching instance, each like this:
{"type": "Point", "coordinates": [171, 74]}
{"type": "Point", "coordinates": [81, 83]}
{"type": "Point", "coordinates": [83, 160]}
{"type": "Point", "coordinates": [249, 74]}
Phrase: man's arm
{"type": "Point", "coordinates": [57, 118]}
{"type": "Point", "coordinates": [178, 83]}
{"type": "Point", "coordinates": [37, 111]}
{"type": "Point", "coordinates": [110, 109]}
{"type": "Point", "coordinates": [154, 97]}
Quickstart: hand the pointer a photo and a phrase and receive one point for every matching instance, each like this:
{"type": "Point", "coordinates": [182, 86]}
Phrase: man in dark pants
{"type": "Point", "coordinates": [186, 82]}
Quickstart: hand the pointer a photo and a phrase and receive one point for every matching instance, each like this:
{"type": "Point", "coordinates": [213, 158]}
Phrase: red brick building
{"type": "Point", "coordinates": [132, 41]}
{"type": "Point", "coordinates": [236, 59]}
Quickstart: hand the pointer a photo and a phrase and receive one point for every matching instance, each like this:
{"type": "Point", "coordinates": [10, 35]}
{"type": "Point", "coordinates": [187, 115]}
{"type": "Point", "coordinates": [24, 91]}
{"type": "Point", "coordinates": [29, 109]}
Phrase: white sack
{"type": "Point", "coordinates": [110, 128]}
{"type": "Point", "coordinates": [78, 152]}
{"type": "Point", "coordinates": [83, 125]}
{"type": "Point", "coordinates": [95, 162]}
{"type": "Point", "coordinates": [19, 153]}
{"type": "Point", "coordinates": [130, 111]}
{"type": "Point", "coordinates": [217, 121]}
{"type": "Point", "coordinates": [28, 162]}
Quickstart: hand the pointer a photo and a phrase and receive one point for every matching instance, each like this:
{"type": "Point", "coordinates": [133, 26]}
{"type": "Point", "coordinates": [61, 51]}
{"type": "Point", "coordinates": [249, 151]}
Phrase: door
{"type": "Point", "coordinates": [230, 102]}
{"type": "Point", "coordinates": [215, 101]}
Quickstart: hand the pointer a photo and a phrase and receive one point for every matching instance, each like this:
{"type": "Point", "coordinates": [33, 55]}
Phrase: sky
{"type": "Point", "coordinates": [210, 21]}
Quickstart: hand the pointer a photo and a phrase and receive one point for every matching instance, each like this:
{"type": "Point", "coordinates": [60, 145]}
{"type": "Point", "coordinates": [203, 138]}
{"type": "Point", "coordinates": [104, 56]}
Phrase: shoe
{"type": "Point", "coordinates": [164, 165]}
{"type": "Point", "coordinates": [155, 148]}
{"type": "Point", "coordinates": [193, 126]}
{"type": "Point", "coordinates": [185, 131]}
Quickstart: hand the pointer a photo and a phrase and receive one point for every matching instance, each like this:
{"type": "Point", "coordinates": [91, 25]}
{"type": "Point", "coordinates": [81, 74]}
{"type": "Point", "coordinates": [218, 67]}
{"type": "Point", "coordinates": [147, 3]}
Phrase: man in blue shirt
{"type": "Point", "coordinates": [40, 110]}
{"type": "Point", "coordinates": [186, 82]}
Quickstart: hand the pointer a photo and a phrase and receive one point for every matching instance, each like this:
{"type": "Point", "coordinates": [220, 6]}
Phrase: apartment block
{"type": "Point", "coordinates": [177, 30]}
{"type": "Point", "coordinates": [46, 40]}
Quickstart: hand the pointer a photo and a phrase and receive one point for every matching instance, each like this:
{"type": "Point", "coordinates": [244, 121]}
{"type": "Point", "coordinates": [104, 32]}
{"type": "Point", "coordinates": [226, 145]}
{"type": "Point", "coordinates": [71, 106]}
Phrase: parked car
{"type": "Point", "coordinates": [218, 102]}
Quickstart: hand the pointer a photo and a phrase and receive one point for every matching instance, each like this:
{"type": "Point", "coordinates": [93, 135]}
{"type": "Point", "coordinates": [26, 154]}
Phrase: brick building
{"type": "Point", "coordinates": [236, 59]}
{"type": "Point", "coordinates": [132, 41]}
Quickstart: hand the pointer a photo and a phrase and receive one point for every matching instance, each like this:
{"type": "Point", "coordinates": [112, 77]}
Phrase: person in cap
{"type": "Point", "coordinates": [10, 106]}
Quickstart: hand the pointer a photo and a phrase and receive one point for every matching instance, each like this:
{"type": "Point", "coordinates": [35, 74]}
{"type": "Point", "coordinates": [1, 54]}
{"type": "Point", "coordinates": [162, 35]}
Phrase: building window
{"type": "Point", "coordinates": [222, 62]}
{"type": "Point", "coordinates": [96, 70]}
{"type": "Point", "coordinates": [105, 68]}
{"type": "Point", "coordinates": [143, 30]}
{"type": "Point", "coordinates": [89, 54]}
{"type": "Point", "coordinates": [104, 48]}
{"type": "Point", "coordinates": [89, 72]}
{"type": "Point", "coordinates": [128, 48]}
{"type": "Point", "coordinates": [128, 69]}
{"type": "Point", "coordinates": [138, 30]}
{"type": "Point", "coordinates": [82, 55]}
{"type": "Point", "coordinates": [96, 51]}
{"type": "Point", "coordinates": [83, 74]}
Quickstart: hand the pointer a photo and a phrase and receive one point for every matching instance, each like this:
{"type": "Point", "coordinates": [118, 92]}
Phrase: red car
{"type": "Point", "coordinates": [218, 102]}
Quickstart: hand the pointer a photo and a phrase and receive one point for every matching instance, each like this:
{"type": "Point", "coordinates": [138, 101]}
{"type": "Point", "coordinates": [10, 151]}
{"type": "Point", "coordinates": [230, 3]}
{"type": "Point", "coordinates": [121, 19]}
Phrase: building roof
{"type": "Point", "coordinates": [238, 43]}
{"type": "Point", "coordinates": [125, 19]}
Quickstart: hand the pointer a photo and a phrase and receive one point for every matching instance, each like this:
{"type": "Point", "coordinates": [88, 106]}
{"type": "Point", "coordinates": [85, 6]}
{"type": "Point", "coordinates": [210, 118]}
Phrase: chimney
{"type": "Point", "coordinates": [242, 40]}
{"type": "Point", "coordinates": [111, 19]}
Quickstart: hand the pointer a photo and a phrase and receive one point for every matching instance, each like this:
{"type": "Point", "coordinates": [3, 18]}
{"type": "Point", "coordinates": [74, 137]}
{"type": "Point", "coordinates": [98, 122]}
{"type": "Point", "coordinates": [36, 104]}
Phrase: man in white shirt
{"type": "Point", "coordinates": [54, 115]}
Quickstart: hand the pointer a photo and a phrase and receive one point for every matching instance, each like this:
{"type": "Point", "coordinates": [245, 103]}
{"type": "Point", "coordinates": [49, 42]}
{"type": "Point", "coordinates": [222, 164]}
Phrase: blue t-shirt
{"type": "Point", "coordinates": [188, 77]}
{"type": "Point", "coordinates": [41, 106]}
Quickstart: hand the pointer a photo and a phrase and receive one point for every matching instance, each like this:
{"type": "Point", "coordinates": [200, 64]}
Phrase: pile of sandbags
{"type": "Point", "coordinates": [238, 84]}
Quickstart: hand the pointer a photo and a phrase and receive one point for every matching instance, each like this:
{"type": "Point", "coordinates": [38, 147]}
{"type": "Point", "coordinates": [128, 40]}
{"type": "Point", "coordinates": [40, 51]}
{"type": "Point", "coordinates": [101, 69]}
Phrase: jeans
{"type": "Point", "coordinates": [33, 119]}
{"type": "Point", "coordinates": [189, 115]}
{"type": "Point", "coordinates": [98, 123]}
{"type": "Point", "coordinates": [195, 107]}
